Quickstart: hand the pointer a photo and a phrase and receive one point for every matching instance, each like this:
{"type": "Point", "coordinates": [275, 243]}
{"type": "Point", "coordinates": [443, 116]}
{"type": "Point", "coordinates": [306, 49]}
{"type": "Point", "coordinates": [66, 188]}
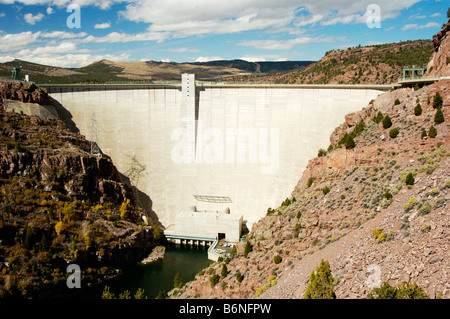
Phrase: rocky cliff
{"type": "Point", "coordinates": [439, 64]}
{"type": "Point", "coordinates": [374, 204]}
{"type": "Point", "coordinates": [60, 206]}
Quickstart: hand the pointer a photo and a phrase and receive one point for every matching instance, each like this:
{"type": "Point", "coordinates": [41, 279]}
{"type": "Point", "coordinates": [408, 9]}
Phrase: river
{"type": "Point", "coordinates": [157, 276]}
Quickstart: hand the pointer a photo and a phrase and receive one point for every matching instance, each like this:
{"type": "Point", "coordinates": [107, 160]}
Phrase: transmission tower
{"type": "Point", "coordinates": [95, 150]}
{"type": "Point", "coordinates": [135, 170]}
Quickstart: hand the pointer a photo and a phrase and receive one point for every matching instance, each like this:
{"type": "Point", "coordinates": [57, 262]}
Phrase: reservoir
{"type": "Point", "coordinates": [156, 276]}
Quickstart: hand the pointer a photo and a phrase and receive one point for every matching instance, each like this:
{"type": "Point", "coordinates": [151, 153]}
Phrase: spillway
{"type": "Point", "coordinates": [247, 143]}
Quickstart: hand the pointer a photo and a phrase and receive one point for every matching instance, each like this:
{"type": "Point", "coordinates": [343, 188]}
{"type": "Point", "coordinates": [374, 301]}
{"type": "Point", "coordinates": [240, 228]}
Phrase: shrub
{"type": "Point", "coordinates": [393, 133]}
{"type": "Point", "coordinates": [350, 143]}
{"type": "Point", "coordinates": [418, 110]}
{"type": "Point", "coordinates": [388, 195]}
{"type": "Point", "coordinates": [424, 133]}
{"type": "Point", "coordinates": [277, 259]}
{"type": "Point", "coordinates": [248, 248]}
{"type": "Point", "coordinates": [397, 102]}
{"type": "Point", "coordinates": [409, 179]}
{"type": "Point", "coordinates": [410, 204]}
{"type": "Point", "coordinates": [158, 233]}
{"type": "Point", "coordinates": [378, 118]}
{"type": "Point", "coordinates": [432, 132]}
{"type": "Point", "coordinates": [321, 152]}
{"type": "Point", "coordinates": [359, 128]}
{"type": "Point", "coordinates": [214, 280]}
{"type": "Point", "coordinates": [239, 276]}
{"type": "Point", "coordinates": [404, 291]}
{"type": "Point", "coordinates": [325, 190]}
{"type": "Point", "coordinates": [321, 283]}
{"type": "Point", "coordinates": [309, 183]}
{"type": "Point", "coordinates": [387, 123]}
{"type": "Point", "coordinates": [224, 271]}
{"type": "Point", "coordinates": [437, 100]}
{"type": "Point", "coordinates": [381, 236]}
{"type": "Point", "coordinates": [425, 209]}
{"type": "Point", "coordinates": [286, 202]}
{"type": "Point", "coordinates": [177, 281]}
{"type": "Point", "coordinates": [124, 208]}
{"type": "Point", "coordinates": [439, 116]}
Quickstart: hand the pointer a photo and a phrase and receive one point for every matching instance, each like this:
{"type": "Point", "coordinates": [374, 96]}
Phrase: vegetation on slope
{"type": "Point", "coordinates": [60, 205]}
{"type": "Point", "coordinates": [375, 64]}
{"type": "Point", "coordinates": [384, 193]}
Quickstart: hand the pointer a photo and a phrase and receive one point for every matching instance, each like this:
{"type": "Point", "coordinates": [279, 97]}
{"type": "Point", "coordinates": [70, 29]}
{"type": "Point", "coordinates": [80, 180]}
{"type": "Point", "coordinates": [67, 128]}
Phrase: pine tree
{"type": "Point", "coordinates": [387, 123]}
{"type": "Point", "coordinates": [177, 281]}
{"type": "Point", "coordinates": [224, 271]}
{"type": "Point", "coordinates": [410, 179]}
{"type": "Point", "coordinates": [437, 100]}
{"type": "Point", "coordinates": [321, 283]}
{"type": "Point", "coordinates": [378, 118]}
{"type": "Point", "coordinates": [432, 132]}
{"type": "Point", "coordinates": [418, 110]}
{"type": "Point", "coordinates": [424, 133]}
{"type": "Point", "coordinates": [248, 248]}
{"type": "Point", "coordinates": [439, 116]}
{"type": "Point", "coordinates": [162, 294]}
{"type": "Point", "coordinates": [350, 143]}
{"type": "Point", "coordinates": [28, 243]}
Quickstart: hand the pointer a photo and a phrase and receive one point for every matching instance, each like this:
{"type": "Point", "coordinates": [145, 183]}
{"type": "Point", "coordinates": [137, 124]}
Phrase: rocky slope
{"type": "Point", "coordinates": [356, 207]}
{"type": "Point", "coordinates": [376, 64]}
{"type": "Point", "coordinates": [61, 205]}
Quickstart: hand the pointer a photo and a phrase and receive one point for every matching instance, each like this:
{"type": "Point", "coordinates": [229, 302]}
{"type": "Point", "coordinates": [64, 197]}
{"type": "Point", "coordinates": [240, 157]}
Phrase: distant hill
{"type": "Point", "coordinates": [109, 71]}
{"type": "Point", "coordinates": [375, 64]}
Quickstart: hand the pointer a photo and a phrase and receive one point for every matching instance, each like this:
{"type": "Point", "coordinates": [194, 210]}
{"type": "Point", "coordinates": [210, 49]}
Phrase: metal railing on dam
{"type": "Point", "coordinates": [177, 85]}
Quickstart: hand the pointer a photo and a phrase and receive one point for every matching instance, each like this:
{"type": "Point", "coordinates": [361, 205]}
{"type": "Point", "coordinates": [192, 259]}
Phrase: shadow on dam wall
{"type": "Point", "coordinates": [252, 143]}
{"type": "Point", "coordinates": [143, 200]}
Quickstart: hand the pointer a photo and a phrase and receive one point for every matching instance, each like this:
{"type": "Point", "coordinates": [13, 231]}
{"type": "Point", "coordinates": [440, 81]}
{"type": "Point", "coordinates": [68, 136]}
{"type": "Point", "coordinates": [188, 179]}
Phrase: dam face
{"type": "Point", "coordinates": [249, 144]}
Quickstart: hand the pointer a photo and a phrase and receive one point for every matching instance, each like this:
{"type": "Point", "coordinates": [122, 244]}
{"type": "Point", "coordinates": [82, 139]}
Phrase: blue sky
{"type": "Point", "coordinates": [203, 30]}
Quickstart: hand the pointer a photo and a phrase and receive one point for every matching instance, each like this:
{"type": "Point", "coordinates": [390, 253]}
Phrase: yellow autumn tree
{"type": "Point", "coordinates": [124, 208]}
{"type": "Point", "coordinates": [58, 227]}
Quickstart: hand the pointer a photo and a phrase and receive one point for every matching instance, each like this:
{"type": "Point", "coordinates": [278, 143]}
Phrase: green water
{"type": "Point", "coordinates": [157, 276]}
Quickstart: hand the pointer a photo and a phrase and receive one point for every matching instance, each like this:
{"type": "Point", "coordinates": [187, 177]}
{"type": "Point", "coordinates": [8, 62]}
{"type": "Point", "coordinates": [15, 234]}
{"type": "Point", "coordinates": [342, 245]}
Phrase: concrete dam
{"type": "Point", "coordinates": [195, 147]}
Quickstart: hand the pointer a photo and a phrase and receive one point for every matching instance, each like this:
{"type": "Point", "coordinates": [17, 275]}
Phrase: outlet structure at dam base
{"type": "Point", "coordinates": [178, 143]}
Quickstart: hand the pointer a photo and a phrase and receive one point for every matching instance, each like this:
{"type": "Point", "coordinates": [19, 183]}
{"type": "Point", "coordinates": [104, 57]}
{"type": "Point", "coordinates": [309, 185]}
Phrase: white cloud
{"type": "Point", "coordinates": [208, 58]}
{"type": "Point", "coordinates": [12, 42]}
{"type": "Point", "coordinates": [2, 14]}
{"type": "Point", "coordinates": [105, 25]}
{"type": "Point", "coordinates": [183, 50]}
{"type": "Point", "coordinates": [115, 37]}
{"type": "Point", "coordinates": [62, 35]}
{"type": "Point", "coordinates": [32, 19]}
{"type": "Point", "coordinates": [62, 59]}
{"type": "Point", "coordinates": [166, 60]}
{"type": "Point", "coordinates": [102, 4]}
{"type": "Point", "coordinates": [416, 26]}
{"type": "Point", "coordinates": [65, 47]}
{"type": "Point", "coordinates": [50, 10]}
{"type": "Point", "coordinates": [180, 18]}
{"type": "Point", "coordinates": [285, 44]}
